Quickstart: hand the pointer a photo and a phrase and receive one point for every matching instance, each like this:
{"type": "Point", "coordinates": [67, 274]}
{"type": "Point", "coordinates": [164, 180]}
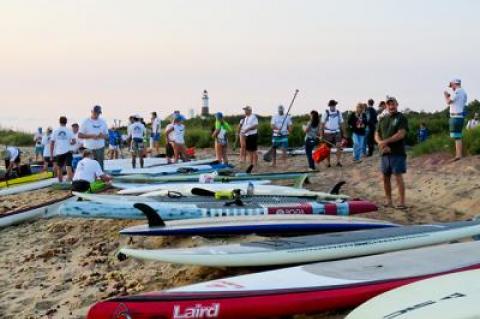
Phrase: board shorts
{"type": "Point", "coordinates": [251, 143]}
{"type": "Point", "coordinates": [280, 141]}
{"type": "Point", "coordinates": [155, 137]}
{"type": "Point", "coordinates": [39, 150]}
{"type": "Point", "coordinates": [393, 164]}
{"type": "Point", "coordinates": [221, 141]}
{"type": "Point", "coordinates": [169, 150]}
{"type": "Point", "coordinates": [333, 139]}
{"type": "Point", "coordinates": [456, 126]}
{"type": "Point", "coordinates": [64, 159]}
{"type": "Point", "coordinates": [114, 147]}
{"type": "Point", "coordinates": [137, 146]}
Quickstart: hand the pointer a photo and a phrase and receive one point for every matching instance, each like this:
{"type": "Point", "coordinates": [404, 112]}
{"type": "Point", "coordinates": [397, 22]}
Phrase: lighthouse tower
{"type": "Point", "coordinates": [205, 111]}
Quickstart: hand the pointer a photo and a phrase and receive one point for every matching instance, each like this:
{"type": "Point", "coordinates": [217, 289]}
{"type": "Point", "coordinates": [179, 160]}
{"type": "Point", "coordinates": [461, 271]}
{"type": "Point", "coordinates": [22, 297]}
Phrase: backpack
{"type": "Point", "coordinates": [339, 115]}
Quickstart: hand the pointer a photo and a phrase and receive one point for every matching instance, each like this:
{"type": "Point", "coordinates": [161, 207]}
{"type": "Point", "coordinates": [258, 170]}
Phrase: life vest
{"type": "Point", "coordinates": [321, 152]}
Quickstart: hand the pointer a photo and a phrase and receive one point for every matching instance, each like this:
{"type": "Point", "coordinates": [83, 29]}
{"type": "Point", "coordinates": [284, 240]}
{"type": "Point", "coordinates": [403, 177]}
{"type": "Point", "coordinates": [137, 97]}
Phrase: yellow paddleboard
{"type": "Point", "coordinates": [26, 179]}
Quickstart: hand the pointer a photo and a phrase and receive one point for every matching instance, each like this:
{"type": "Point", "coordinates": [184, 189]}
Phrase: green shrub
{"type": "Point", "coordinates": [434, 144]}
{"type": "Point", "coordinates": [10, 137]}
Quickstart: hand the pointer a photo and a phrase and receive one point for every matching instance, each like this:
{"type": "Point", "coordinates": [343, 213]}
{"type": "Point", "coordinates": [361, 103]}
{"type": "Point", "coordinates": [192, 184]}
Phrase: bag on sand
{"type": "Point", "coordinates": [321, 152]}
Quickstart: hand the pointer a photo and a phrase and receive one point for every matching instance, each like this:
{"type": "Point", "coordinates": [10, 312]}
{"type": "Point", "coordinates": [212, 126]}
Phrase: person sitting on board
{"type": "Point", "coordinates": [281, 125]}
{"type": "Point", "coordinates": [249, 132]}
{"type": "Point", "coordinates": [37, 138]}
{"type": "Point", "coordinates": [61, 149]}
{"type": "Point", "coordinates": [390, 137]}
{"type": "Point", "coordinates": [12, 157]}
{"type": "Point", "coordinates": [222, 128]}
{"type": "Point", "coordinates": [136, 134]}
{"type": "Point", "coordinates": [47, 160]}
{"type": "Point", "coordinates": [312, 132]}
{"type": "Point", "coordinates": [87, 172]}
{"type": "Point", "coordinates": [178, 130]}
{"type": "Point", "coordinates": [332, 130]}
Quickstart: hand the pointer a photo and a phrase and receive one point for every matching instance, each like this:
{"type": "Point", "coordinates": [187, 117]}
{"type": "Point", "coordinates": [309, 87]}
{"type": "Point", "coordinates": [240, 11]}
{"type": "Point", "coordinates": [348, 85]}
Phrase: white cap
{"type": "Point", "coordinates": [456, 81]}
{"type": "Point", "coordinates": [137, 116]}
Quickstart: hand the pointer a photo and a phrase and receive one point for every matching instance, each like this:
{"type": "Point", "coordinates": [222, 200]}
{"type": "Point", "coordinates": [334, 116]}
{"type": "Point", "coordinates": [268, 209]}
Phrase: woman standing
{"type": "Point", "coordinates": [178, 138]}
{"type": "Point", "coordinates": [312, 132]}
{"type": "Point", "coordinates": [357, 124]}
{"type": "Point", "coordinates": [221, 139]}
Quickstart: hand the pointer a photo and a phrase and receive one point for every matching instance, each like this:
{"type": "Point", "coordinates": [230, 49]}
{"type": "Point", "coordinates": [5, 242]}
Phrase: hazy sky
{"type": "Point", "coordinates": [61, 57]}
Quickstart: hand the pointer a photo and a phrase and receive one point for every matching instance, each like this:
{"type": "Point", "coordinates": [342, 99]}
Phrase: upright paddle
{"type": "Point", "coordinates": [267, 157]}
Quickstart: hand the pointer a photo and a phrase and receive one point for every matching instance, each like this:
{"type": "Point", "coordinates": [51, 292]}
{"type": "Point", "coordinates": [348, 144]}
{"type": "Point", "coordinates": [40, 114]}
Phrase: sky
{"type": "Point", "coordinates": [62, 57]}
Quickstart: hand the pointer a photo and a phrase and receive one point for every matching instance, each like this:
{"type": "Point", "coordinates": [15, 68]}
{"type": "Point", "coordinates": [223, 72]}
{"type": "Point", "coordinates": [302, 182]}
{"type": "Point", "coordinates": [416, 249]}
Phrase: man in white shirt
{"type": "Point", "coordinates": [281, 125]}
{"type": "Point", "coordinates": [457, 105]}
{"type": "Point", "coordinates": [47, 160]}
{"type": "Point", "coordinates": [37, 138]}
{"type": "Point", "coordinates": [93, 131]}
{"type": "Point", "coordinates": [136, 133]}
{"type": "Point", "coordinates": [169, 140]}
{"type": "Point", "coordinates": [249, 131]}
{"type": "Point", "coordinates": [155, 135]}
{"type": "Point", "coordinates": [88, 170]}
{"type": "Point", "coordinates": [11, 155]}
{"type": "Point", "coordinates": [332, 129]}
{"type": "Point", "coordinates": [473, 123]}
{"type": "Point", "coordinates": [78, 142]}
{"type": "Point", "coordinates": [61, 149]}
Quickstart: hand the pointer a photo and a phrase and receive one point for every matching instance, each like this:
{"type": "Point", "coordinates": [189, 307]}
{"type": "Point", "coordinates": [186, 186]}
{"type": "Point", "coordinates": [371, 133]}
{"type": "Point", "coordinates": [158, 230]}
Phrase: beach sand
{"type": "Point", "coordinates": [58, 268]}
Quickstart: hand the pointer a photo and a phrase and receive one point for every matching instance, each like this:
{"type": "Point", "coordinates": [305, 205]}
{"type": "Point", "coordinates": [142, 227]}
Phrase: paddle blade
{"type": "Point", "coordinates": [202, 192]}
{"type": "Point", "coordinates": [267, 157]}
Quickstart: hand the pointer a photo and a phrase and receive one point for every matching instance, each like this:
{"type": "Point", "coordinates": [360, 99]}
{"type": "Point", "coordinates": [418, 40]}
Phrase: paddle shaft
{"type": "Point", "coordinates": [289, 108]}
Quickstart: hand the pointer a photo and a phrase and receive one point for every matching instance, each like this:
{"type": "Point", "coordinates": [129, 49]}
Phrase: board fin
{"type": "Point", "coordinates": [249, 169]}
{"type": "Point", "coordinates": [267, 157]}
{"type": "Point", "coordinates": [301, 180]}
{"type": "Point", "coordinates": [336, 189]}
{"type": "Point", "coordinates": [154, 220]}
{"type": "Point", "coordinates": [202, 192]}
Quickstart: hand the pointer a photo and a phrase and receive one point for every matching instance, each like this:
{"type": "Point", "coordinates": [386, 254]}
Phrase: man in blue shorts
{"type": "Point", "coordinates": [390, 137]}
{"type": "Point", "coordinates": [281, 126]}
{"type": "Point", "coordinates": [456, 104]}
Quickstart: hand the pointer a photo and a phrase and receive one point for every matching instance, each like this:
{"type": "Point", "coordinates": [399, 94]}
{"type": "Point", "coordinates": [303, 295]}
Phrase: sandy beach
{"type": "Point", "coordinates": [57, 268]}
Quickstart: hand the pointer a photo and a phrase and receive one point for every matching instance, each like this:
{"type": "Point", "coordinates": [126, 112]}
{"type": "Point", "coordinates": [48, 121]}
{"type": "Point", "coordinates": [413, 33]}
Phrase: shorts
{"type": "Point", "coordinates": [99, 155]}
{"type": "Point", "coordinates": [333, 139]}
{"type": "Point", "coordinates": [114, 147]}
{"type": "Point", "coordinates": [39, 150]}
{"type": "Point", "coordinates": [169, 150]}
{"type": "Point", "coordinates": [221, 141]}
{"type": "Point", "coordinates": [64, 159]}
{"type": "Point", "coordinates": [80, 186]}
{"type": "Point", "coordinates": [155, 137]}
{"type": "Point", "coordinates": [251, 143]}
{"type": "Point", "coordinates": [456, 126]}
{"type": "Point", "coordinates": [393, 164]}
{"type": "Point", "coordinates": [280, 142]}
{"type": "Point", "coordinates": [137, 146]}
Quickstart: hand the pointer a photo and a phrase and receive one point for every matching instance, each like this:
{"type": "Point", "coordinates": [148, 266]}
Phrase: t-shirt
{"type": "Point", "coordinates": [156, 125]}
{"type": "Point", "coordinates": [114, 137]}
{"type": "Point", "coordinates": [179, 133]}
{"type": "Point", "coordinates": [357, 123]}
{"type": "Point", "coordinates": [136, 130]}
{"type": "Point", "coordinates": [223, 128]}
{"type": "Point", "coordinates": [46, 144]}
{"type": "Point", "coordinates": [281, 123]}
{"type": "Point", "coordinates": [95, 127]}
{"type": "Point", "coordinates": [170, 135]}
{"type": "Point", "coordinates": [249, 121]}
{"type": "Point", "coordinates": [38, 139]}
{"type": "Point", "coordinates": [312, 132]}
{"type": "Point", "coordinates": [332, 121]}
{"type": "Point", "coordinates": [459, 100]}
{"type": "Point", "coordinates": [78, 143]}
{"type": "Point", "coordinates": [62, 137]}
{"type": "Point", "coordinates": [87, 170]}
{"type": "Point", "coordinates": [388, 126]}
{"type": "Point", "coordinates": [12, 153]}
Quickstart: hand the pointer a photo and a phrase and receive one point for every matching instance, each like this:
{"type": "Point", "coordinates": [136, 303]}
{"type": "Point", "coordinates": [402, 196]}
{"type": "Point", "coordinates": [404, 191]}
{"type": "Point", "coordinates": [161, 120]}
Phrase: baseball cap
{"type": "Point", "coordinates": [456, 81]}
{"type": "Point", "coordinates": [97, 109]}
{"type": "Point", "coordinates": [219, 115]}
{"type": "Point", "coordinates": [280, 107]}
{"type": "Point", "coordinates": [391, 99]}
{"type": "Point", "coordinates": [247, 108]}
{"type": "Point", "coordinates": [136, 116]}
{"type": "Point", "coordinates": [178, 117]}
{"type": "Point", "coordinates": [332, 103]}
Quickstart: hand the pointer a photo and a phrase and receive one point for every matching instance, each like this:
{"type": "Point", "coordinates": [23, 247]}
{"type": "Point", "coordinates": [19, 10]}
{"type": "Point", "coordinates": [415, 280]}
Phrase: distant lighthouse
{"type": "Point", "coordinates": [205, 111]}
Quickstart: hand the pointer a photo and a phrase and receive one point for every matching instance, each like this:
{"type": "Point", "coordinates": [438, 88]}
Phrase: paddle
{"type": "Point", "coordinates": [202, 192]}
{"type": "Point", "coordinates": [267, 157]}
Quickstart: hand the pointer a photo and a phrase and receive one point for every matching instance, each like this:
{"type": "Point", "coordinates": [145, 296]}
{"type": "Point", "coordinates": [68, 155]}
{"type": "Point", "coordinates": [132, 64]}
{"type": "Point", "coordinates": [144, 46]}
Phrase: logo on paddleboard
{"type": "Point", "coordinates": [196, 312]}
{"type": "Point", "coordinates": [121, 312]}
{"type": "Point", "coordinates": [297, 210]}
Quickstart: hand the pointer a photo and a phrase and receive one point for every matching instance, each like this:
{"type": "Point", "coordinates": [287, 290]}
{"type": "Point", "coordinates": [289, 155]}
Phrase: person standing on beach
{"type": "Point", "coordinates": [382, 110]}
{"type": "Point", "coordinates": [136, 134]}
{"type": "Point", "coordinates": [12, 158]}
{"type": "Point", "coordinates": [457, 105]}
{"type": "Point", "coordinates": [281, 125]}
{"type": "Point", "coordinates": [155, 135]}
{"type": "Point", "coordinates": [473, 123]}
{"type": "Point", "coordinates": [178, 137]}
{"type": "Point", "coordinates": [169, 152]}
{"type": "Point", "coordinates": [250, 133]}
{"type": "Point", "coordinates": [243, 142]}
{"type": "Point", "coordinates": [220, 134]}
{"type": "Point", "coordinates": [312, 133]}
{"type": "Point", "coordinates": [78, 143]}
{"type": "Point", "coordinates": [61, 149]}
{"type": "Point", "coordinates": [371, 116]}
{"type": "Point", "coordinates": [114, 141]}
{"type": "Point", "coordinates": [390, 137]}
{"type": "Point", "coordinates": [422, 133]}
{"type": "Point", "coordinates": [332, 130]}
{"type": "Point", "coordinates": [37, 138]}
{"type": "Point", "coordinates": [357, 122]}
{"type": "Point", "coordinates": [93, 131]}
{"type": "Point", "coordinates": [47, 160]}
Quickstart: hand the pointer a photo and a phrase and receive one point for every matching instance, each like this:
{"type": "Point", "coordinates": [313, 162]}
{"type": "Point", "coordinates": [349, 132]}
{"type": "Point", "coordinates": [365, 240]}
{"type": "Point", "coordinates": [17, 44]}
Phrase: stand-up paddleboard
{"type": "Point", "coordinates": [187, 189]}
{"type": "Point", "coordinates": [260, 225]}
{"type": "Point", "coordinates": [138, 189]}
{"type": "Point", "coordinates": [26, 179]}
{"type": "Point", "coordinates": [312, 248]}
{"type": "Point", "coordinates": [34, 212]}
{"type": "Point", "coordinates": [126, 163]}
{"type": "Point", "coordinates": [451, 296]}
{"type": "Point", "coordinates": [296, 290]}
{"type": "Point", "coordinates": [301, 151]}
{"type": "Point", "coordinates": [171, 209]}
{"type": "Point", "coordinates": [219, 179]}
{"type": "Point", "coordinates": [22, 188]}
{"type": "Point", "coordinates": [171, 168]}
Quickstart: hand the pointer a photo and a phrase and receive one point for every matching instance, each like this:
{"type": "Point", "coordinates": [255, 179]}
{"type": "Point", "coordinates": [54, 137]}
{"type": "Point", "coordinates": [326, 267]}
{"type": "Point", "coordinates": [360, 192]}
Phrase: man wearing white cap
{"type": "Point", "coordinates": [136, 133]}
{"type": "Point", "coordinates": [457, 104]}
{"type": "Point", "coordinates": [281, 125]}
{"type": "Point", "coordinates": [93, 131]}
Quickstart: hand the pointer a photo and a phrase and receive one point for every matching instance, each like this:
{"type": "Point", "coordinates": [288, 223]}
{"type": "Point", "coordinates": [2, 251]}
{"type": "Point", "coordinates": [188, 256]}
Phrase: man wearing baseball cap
{"type": "Point", "coordinates": [457, 105]}
{"type": "Point", "coordinates": [390, 137]}
{"type": "Point", "coordinates": [136, 133]}
{"type": "Point", "coordinates": [281, 125]}
{"type": "Point", "coordinates": [93, 131]}
{"type": "Point", "coordinates": [332, 129]}
{"type": "Point", "coordinates": [248, 130]}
